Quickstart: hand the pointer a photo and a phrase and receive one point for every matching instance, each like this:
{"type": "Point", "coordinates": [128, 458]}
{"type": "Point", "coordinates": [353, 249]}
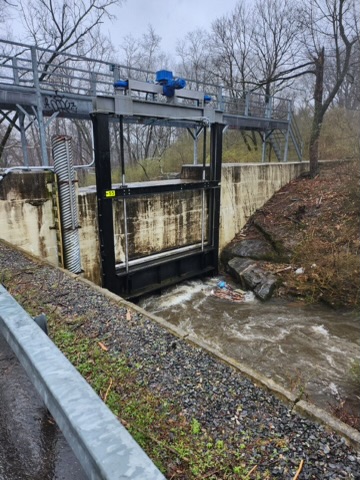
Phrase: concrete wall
{"type": "Point", "coordinates": [26, 218]}
{"type": "Point", "coordinates": [156, 223]}
{"type": "Point", "coordinates": [246, 187]}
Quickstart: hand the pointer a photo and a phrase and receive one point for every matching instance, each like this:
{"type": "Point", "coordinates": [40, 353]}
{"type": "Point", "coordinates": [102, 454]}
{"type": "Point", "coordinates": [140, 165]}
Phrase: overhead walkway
{"type": "Point", "coordinates": [42, 84]}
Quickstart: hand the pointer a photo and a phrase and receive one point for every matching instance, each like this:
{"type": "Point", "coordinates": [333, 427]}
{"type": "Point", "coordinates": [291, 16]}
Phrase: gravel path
{"type": "Point", "coordinates": [224, 401]}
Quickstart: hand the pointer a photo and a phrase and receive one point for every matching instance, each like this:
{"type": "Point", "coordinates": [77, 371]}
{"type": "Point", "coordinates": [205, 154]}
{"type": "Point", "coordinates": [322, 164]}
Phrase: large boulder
{"type": "Point", "coordinates": [264, 290]}
{"type": "Point", "coordinates": [257, 249]}
{"type": "Point", "coordinates": [261, 282]}
{"type": "Point", "coordinates": [236, 266]}
{"type": "Point", "coordinates": [251, 276]}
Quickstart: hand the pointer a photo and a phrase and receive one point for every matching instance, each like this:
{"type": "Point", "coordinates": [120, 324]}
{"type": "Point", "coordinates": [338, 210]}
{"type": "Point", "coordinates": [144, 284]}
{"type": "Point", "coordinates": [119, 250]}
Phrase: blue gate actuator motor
{"type": "Point", "coordinates": [169, 83]}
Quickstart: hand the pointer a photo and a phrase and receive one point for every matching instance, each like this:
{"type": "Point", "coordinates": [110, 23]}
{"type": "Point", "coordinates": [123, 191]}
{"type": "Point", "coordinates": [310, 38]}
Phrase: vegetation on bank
{"type": "Point", "coordinates": [315, 223]}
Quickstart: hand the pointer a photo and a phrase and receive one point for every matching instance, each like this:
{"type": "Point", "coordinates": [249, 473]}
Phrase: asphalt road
{"type": "Point", "coordinates": [31, 444]}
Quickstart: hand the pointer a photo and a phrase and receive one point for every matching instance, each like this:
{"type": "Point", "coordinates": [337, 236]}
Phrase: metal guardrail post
{"type": "Point", "coordinates": [103, 446]}
{"type": "Point", "coordinates": [247, 103]}
{"type": "Point", "coordinates": [220, 98]}
{"type": "Point", "coordinates": [15, 70]}
{"type": "Point", "coordinates": [93, 78]}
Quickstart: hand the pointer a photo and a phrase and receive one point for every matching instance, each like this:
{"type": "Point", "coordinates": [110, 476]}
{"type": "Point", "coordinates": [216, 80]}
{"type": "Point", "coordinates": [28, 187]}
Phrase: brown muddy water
{"type": "Point", "coordinates": [309, 349]}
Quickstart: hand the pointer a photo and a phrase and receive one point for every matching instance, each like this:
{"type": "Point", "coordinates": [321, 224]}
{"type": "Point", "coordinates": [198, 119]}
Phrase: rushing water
{"type": "Point", "coordinates": [301, 347]}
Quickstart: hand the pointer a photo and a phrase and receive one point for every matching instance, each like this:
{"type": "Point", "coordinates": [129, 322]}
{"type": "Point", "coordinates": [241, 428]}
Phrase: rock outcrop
{"type": "Point", "coordinates": [243, 262]}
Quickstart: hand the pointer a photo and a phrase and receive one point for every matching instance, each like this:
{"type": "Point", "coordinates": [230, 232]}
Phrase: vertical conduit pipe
{"type": "Point", "coordinates": [64, 168]}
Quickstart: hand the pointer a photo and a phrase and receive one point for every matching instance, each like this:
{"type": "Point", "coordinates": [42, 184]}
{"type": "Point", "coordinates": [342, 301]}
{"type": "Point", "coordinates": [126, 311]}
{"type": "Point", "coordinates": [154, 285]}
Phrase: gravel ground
{"type": "Point", "coordinates": [224, 401]}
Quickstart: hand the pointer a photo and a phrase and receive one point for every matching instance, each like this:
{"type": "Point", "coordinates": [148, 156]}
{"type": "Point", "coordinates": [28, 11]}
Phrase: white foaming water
{"type": "Point", "coordinates": [180, 295]}
{"type": "Point", "coordinates": [247, 334]}
{"type": "Point", "coordinates": [281, 350]}
{"type": "Point", "coordinates": [330, 360]}
{"type": "Point", "coordinates": [249, 297]}
{"type": "Point", "coordinates": [187, 326]}
{"type": "Point", "coordinates": [280, 340]}
{"type": "Point", "coordinates": [333, 390]}
{"type": "Point", "coordinates": [197, 305]}
{"type": "Point", "coordinates": [320, 329]}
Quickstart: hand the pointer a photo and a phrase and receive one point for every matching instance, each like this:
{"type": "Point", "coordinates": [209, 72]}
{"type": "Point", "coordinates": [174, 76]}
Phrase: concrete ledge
{"type": "Point", "coordinates": [103, 446]}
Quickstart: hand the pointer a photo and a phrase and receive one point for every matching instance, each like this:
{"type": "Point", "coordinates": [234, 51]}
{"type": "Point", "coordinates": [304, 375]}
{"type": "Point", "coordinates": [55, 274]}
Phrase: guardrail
{"type": "Point", "coordinates": [103, 446]}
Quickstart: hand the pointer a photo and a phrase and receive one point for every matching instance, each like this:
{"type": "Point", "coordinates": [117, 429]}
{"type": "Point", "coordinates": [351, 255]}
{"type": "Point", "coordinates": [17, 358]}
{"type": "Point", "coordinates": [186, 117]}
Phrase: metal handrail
{"type": "Point", "coordinates": [228, 96]}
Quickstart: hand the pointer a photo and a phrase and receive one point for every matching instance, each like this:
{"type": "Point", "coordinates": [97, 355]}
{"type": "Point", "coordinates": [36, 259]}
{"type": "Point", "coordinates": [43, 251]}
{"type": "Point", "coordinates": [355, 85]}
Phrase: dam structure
{"type": "Point", "coordinates": [41, 85]}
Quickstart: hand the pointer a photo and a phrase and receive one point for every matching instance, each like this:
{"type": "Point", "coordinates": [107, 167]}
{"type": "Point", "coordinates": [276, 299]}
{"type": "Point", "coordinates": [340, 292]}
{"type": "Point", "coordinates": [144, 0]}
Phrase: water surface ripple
{"type": "Point", "coordinates": [304, 348]}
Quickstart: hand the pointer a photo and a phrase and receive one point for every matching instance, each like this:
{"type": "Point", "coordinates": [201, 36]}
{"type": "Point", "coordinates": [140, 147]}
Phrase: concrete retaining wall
{"type": "Point", "coordinates": [26, 217]}
{"type": "Point", "coordinates": [156, 223]}
{"type": "Point", "coordinates": [246, 187]}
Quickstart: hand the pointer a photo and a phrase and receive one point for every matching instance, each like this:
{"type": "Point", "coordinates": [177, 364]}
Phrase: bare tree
{"type": "Point", "coordinates": [231, 47]}
{"type": "Point", "coordinates": [331, 32]}
{"type": "Point", "coordinates": [274, 45]}
{"type": "Point", "coordinates": [195, 54]}
{"type": "Point", "coordinates": [63, 27]}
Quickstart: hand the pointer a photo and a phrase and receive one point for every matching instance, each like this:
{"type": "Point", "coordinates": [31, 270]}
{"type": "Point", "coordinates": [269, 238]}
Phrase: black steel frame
{"type": "Point", "coordinates": [153, 273]}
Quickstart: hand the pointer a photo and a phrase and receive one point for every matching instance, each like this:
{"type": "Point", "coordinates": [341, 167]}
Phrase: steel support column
{"type": "Point", "coordinates": [215, 175]}
{"type": "Point", "coordinates": [105, 209]}
{"type": "Point", "coordinates": [39, 108]}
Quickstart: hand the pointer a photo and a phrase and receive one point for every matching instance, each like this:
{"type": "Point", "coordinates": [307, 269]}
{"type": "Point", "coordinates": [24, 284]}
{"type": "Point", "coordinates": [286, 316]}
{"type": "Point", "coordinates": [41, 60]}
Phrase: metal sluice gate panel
{"type": "Point", "coordinates": [140, 275]}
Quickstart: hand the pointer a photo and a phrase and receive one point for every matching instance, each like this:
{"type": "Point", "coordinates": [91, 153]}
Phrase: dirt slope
{"type": "Point", "coordinates": [314, 226]}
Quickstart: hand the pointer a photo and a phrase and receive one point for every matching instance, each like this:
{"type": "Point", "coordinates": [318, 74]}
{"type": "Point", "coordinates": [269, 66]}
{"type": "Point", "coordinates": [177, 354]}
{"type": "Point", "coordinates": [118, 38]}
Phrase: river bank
{"type": "Point", "coordinates": [309, 237]}
{"type": "Point", "coordinates": [195, 416]}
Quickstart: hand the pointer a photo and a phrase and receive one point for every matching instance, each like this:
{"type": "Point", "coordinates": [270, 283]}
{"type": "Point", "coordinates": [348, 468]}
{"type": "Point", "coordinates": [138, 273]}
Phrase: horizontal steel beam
{"type": "Point", "coordinates": [128, 106]}
{"type": "Point", "coordinates": [133, 190]}
{"type": "Point", "coordinates": [156, 272]}
{"type": "Point", "coordinates": [65, 104]}
{"type": "Point", "coordinates": [103, 446]}
{"type": "Point", "coordinates": [254, 123]}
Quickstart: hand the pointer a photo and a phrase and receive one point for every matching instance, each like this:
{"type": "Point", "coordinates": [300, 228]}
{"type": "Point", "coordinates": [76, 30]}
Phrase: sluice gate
{"type": "Point", "coordinates": [136, 276]}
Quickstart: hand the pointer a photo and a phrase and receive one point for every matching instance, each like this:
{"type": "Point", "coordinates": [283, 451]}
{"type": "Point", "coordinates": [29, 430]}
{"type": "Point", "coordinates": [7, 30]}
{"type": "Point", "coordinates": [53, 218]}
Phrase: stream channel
{"type": "Point", "coordinates": [304, 348]}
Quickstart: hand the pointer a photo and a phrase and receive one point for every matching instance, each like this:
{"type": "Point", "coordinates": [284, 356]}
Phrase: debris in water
{"type": "Point", "coordinates": [225, 292]}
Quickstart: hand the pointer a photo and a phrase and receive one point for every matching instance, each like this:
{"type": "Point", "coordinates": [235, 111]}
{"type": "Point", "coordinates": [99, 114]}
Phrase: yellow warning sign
{"type": "Point", "coordinates": [110, 193]}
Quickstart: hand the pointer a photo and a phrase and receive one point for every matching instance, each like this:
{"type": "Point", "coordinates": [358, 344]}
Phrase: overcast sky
{"type": "Point", "coordinates": [171, 19]}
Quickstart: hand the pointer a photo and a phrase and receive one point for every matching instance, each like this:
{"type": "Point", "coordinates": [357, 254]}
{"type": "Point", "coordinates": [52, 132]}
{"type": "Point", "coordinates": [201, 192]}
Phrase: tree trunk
{"type": "Point", "coordinates": [318, 114]}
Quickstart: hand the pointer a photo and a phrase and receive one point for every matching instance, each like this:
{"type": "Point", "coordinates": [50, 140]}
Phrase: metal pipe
{"type": "Point", "coordinates": [126, 237]}
{"type": "Point", "coordinates": [122, 156]}
{"type": "Point", "coordinates": [122, 162]}
{"type": "Point", "coordinates": [63, 165]}
{"type": "Point", "coordinates": [263, 151]}
{"type": "Point", "coordinates": [40, 168]}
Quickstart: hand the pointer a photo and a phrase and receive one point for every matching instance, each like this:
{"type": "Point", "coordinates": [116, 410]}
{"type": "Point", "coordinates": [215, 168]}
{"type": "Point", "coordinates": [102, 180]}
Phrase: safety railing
{"type": "Point", "coordinates": [79, 75]}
